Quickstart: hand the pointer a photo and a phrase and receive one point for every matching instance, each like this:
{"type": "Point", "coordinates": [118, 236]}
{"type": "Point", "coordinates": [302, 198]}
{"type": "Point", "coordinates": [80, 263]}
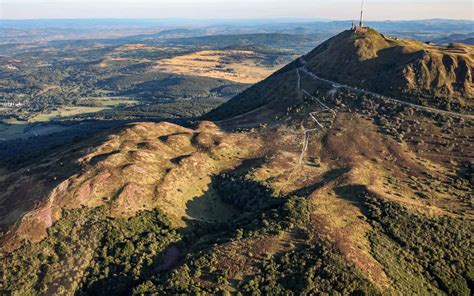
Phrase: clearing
{"type": "Point", "coordinates": [243, 66]}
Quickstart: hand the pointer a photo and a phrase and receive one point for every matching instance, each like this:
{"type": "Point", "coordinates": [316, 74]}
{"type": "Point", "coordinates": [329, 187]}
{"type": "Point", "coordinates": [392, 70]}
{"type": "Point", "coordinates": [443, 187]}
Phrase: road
{"type": "Point", "coordinates": [379, 96]}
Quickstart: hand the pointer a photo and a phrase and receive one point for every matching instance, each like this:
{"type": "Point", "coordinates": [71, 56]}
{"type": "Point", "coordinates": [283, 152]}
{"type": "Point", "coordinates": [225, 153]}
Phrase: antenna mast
{"type": "Point", "coordinates": [361, 22]}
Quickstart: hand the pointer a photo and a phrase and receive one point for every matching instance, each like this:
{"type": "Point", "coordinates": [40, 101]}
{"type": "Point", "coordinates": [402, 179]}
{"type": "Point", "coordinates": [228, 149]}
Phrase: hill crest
{"type": "Point", "coordinates": [407, 69]}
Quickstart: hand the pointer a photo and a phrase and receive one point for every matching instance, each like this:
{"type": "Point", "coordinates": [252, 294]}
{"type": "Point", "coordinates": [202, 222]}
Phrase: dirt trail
{"type": "Point", "coordinates": [307, 131]}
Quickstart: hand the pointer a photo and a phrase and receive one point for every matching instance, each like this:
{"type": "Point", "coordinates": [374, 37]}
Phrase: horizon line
{"type": "Point", "coordinates": [302, 19]}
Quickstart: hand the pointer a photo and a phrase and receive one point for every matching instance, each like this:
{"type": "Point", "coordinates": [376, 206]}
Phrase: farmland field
{"type": "Point", "coordinates": [234, 65]}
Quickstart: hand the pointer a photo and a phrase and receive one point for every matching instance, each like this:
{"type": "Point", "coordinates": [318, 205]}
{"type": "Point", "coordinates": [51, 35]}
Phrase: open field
{"type": "Point", "coordinates": [234, 65]}
{"type": "Point", "coordinates": [66, 112]}
{"type": "Point", "coordinates": [13, 129]}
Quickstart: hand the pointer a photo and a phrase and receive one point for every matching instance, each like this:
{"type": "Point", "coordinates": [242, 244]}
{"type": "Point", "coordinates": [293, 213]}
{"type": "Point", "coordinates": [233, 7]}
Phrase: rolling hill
{"type": "Point", "coordinates": [290, 42]}
{"type": "Point", "coordinates": [456, 38]}
{"type": "Point", "coordinates": [408, 70]}
{"type": "Point", "coordinates": [399, 68]}
{"type": "Point", "coordinates": [309, 182]}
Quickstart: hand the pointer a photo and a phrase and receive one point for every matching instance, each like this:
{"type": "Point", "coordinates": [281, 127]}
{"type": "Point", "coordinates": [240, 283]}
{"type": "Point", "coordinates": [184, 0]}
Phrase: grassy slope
{"type": "Point", "coordinates": [400, 68]}
{"type": "Point", "coordinates": [404, 69]}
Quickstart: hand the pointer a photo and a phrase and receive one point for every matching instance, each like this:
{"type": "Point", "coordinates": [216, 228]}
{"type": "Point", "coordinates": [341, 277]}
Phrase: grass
{"type": "Point", "coordinates": [14, 129]}
{"type": "Point", "coordinates": [10, 129]}
{"type": "Point", "coordinates": [234, 65]}
{"type": "Point", "coordinates": [406, 69]}
{"type": "Point", "coordinates": [66, 112]}
{"type": "Point", "coordinates": [340, 207]}
{"type": "Point", "coordinates": [210, 207]}
{"type": "Point", "coordinates": [113, 101]}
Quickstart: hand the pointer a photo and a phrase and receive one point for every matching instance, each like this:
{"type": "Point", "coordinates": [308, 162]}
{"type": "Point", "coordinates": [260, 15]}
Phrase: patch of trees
{"type": "Point", "coordinates": [173, 109]}
{"type": "Point", "coordinates": [122, 256]}
{"type": "Point", "coordinates": [439, 249]}
{"type": "Point", "coordinates": [114, 253]}
{"type": "Point", "coordinates": [270, 42]}
{"type": "Point", "coordinates": [311, 268]}
{"type": "Point", "coordinates": [129, 251]}
{"type": "Point", "coordinates": [155, 86]}
{"type": "Point", "coordinates": [242, 192]}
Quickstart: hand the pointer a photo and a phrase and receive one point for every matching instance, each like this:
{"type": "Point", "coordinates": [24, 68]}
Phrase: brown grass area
{"type": "Point", "coordinates": [144, 166]}
{"type": "Point", "coordinates": [166, 166]}
{"type": "Point", "coordinates": [406, 68]}
{"type": "Point", "coordinates": [353, 153]}
{"type": "Point", "coordinates": [47, 87]}
{"type": "Point", "coordinates": [340, 222]}
{"type": "Point", "coordinates": [370, 158]}
{"type": "Point", "coordinates": [241, 259]}
{"type": "Point", "coordinates": [355, 142]}
{"type": "Point", "coordinates": [222, 64]}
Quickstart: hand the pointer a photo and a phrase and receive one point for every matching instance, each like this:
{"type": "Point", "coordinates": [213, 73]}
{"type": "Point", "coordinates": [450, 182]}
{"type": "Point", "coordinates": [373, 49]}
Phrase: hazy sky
{"type": "Point", "coordinates": [237, 9]}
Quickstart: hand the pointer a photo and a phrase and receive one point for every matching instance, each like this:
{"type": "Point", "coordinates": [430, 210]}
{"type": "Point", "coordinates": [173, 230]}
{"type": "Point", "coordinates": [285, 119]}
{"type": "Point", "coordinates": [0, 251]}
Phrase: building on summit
{"type": "Point", "coordinates": [360, 28]}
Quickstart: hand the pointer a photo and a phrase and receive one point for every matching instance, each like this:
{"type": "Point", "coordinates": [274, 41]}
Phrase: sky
{"type": "Point", "coordinates": [237, 9]}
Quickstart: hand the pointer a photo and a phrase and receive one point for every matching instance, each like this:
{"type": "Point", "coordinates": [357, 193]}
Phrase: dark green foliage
{"type": "Point", "coordinates": [162, 86]}
{"type": "Point", "coordinates": [128, 251]}
{"type": "Point", "coordinates": [71, 77]}
{"type": "Point", "coordinates": [35, 267]}
{"type": "Point", "coordinates": [242, 192]}
{"type": "Point", "coordinates": [182, 108]}
{"type": "Point", "coordinates": [437, 248]}
{"type": "Point", "coordinates": [310, 269]}
{"type": "Point", "coordinates": [120, 251]}
{"type": "Point", "coordinates": [265, 42]}
{"type": "Point", "coordinates": [420, 255]}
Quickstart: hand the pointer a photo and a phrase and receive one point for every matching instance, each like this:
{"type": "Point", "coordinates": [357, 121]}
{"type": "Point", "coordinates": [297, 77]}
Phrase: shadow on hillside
{"type": "Point", "coordinates": [210, 208]}
{"type": "Point", "coordinates": [355, 194]}
{"type": "Point", "coordinates": [326, 178]}
{"type": "Point", "coordinates": [231, 202]}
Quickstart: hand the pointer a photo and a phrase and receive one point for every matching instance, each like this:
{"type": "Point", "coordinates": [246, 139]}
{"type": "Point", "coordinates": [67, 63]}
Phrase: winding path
{"type": "Point", "coordinates": [325, 108]}
{"type": "Point", "coordinates": [379, 96]}
{"type": "Point", "coordinates": [306, 131]}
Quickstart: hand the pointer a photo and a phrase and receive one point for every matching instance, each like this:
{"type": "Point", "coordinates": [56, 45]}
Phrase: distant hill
{"type": "Point", "coordinates": [273, 40]}
{"type": "Point", "coordinates": [9, 64]}
{"type": "Point", "coordinates": [162, 85]}
{"type": "Point", "coordinates": [456, 38]}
